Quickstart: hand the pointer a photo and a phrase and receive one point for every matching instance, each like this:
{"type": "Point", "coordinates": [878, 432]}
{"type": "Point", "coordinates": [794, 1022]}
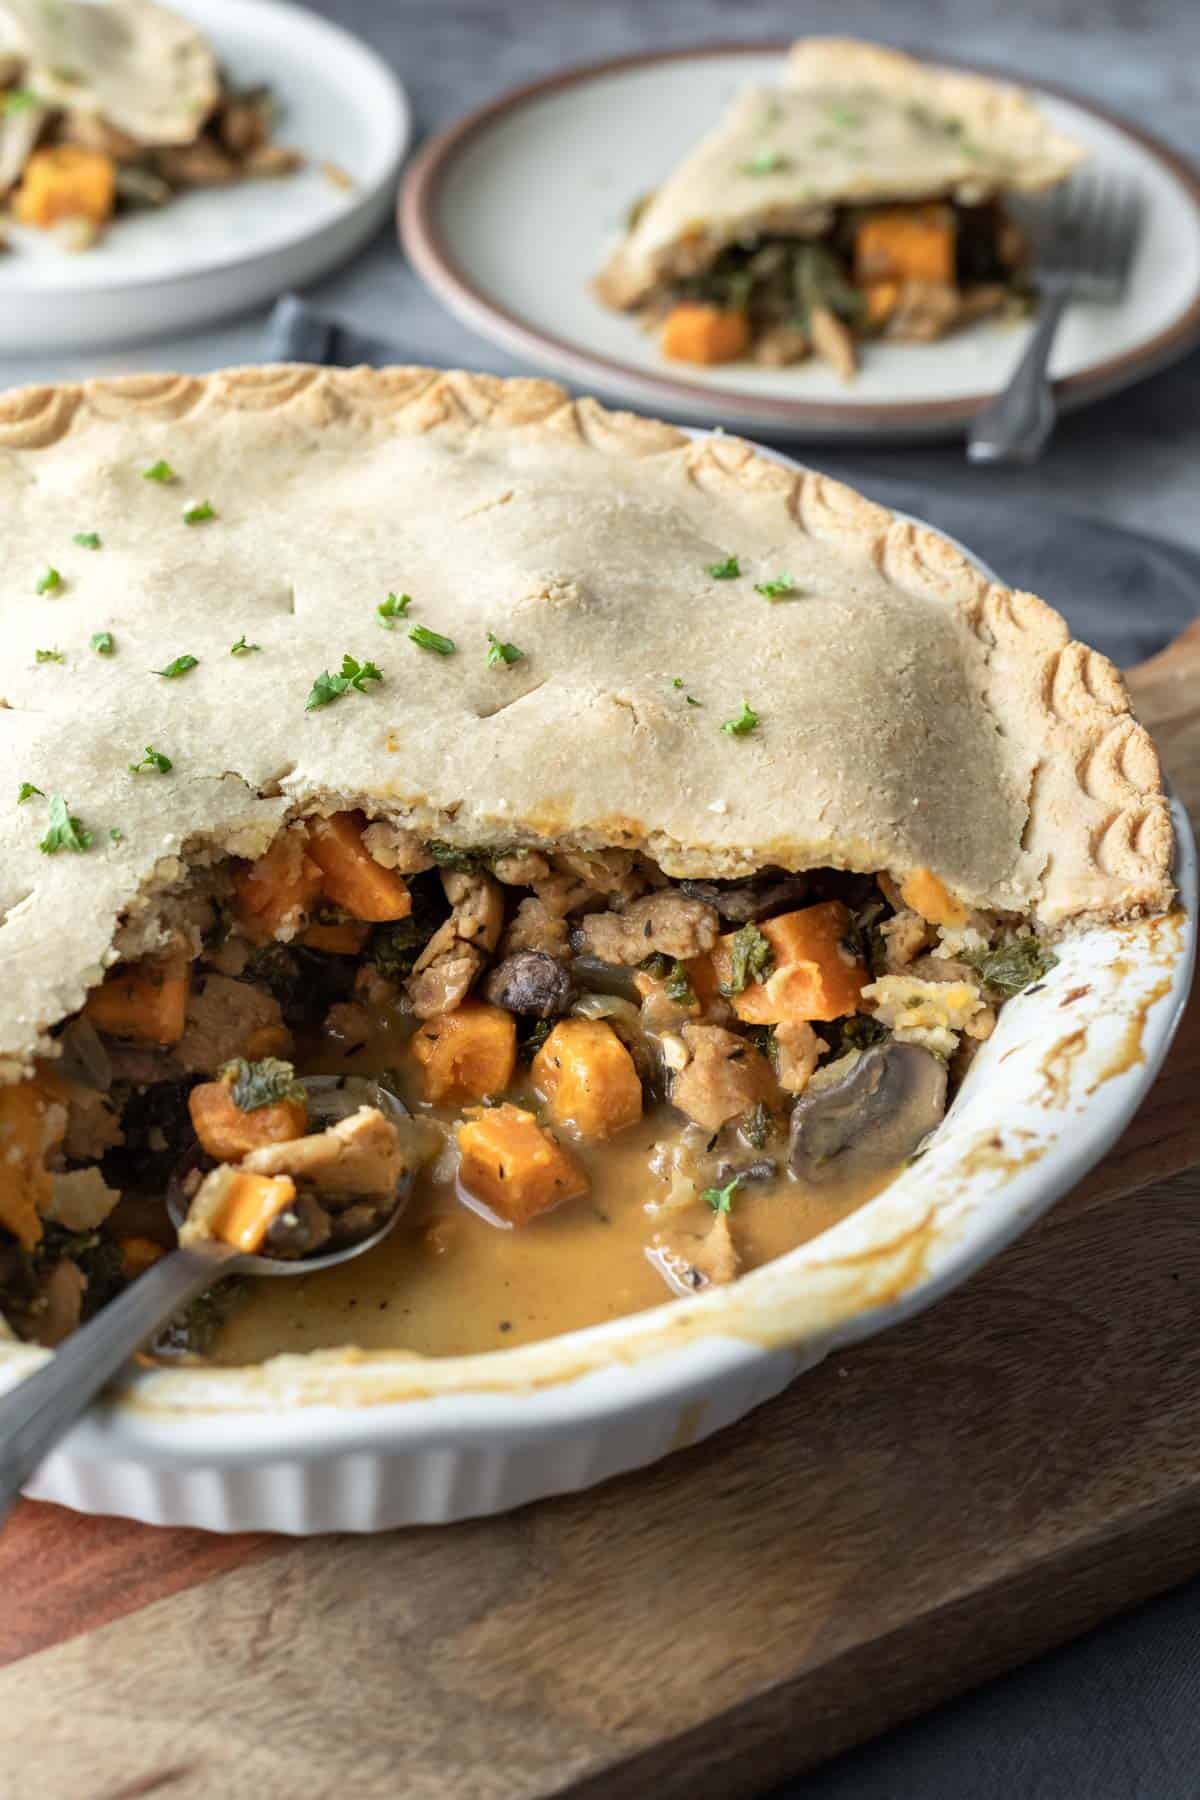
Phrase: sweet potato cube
{"type": "Point", "coordinates": [906, 243]}
{"type": "Point", "coordinates": [467, 1054]}
{"type": "Point", "coordinates": [350, 876]}
{"type": "Point", "coordinates": [345, 937]}
{"type": "Point", "coordinates": [515, 1167]}
{"type": "Point", "coordinates": [66, 182]}
{"type": "Point", "coordinates": [816, 974]}
{"type": "Point", "coordinates": [275, 893]}
{"type": "Point", "coordinates": [697, 333]}
{"type": "Point", "coordinates": [30, 1125]}
{"type": "Point", "coordinates": [881, 298]}
{"type": "Point", "coordinates": [587, 1078]}
{"type": "Point", "coordinates": [226, 1133]}
{"type": "Point", "coordinates": [237, 1207]}
{"type": "Point", "coordinates": [145, 1000]}
{"type": "Point", "coordinates": [926, 895]}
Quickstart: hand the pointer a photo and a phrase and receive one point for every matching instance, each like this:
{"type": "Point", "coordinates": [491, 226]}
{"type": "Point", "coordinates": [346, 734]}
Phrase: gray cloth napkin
{"type": "Point", "coordinates": [1126, 593]}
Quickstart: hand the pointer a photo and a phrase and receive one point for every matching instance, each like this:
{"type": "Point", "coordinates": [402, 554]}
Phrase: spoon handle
{"type": "Point", "coordinates": [37, 1412]}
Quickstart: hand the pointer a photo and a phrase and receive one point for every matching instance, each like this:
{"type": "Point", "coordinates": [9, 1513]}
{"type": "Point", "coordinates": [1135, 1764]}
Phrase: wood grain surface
{"type": "Point", "coordinates": [918, 1514]}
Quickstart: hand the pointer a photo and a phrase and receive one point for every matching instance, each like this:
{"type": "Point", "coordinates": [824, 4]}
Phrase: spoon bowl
{"type": "Point", "coordinates": [330, 1099]}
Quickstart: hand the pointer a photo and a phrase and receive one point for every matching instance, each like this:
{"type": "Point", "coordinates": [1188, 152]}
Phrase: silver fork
{"type": "Point", "coordinates": [1084, 241]}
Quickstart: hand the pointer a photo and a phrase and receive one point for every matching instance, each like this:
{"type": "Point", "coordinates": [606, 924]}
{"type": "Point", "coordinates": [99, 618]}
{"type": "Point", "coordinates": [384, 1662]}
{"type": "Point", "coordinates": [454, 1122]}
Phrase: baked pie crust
{"type": "Point", "coordinates": [911, 712]}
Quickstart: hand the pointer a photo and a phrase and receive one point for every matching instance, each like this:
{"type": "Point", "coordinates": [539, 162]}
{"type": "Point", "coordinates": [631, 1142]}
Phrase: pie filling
{"type": "Point", "coordinates": [909, 272]}
{"type": "Point", "coordinates": [620, 1086]}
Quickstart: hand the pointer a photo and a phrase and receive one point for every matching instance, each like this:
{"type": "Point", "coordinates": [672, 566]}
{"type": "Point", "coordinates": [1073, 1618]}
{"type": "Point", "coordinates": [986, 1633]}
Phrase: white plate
{"type": "Point", "coordinates": [221, 250]}
{"type": "Point", "coordinates": [339, 1441]}
{"type": "Point", "coordinates": [509, 214]}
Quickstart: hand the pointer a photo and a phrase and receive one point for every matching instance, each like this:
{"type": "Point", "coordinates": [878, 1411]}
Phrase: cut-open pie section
{"type": "Point", "coordinates": [664, 828]}
{"type": "Point", "coordinates": [863, 197]}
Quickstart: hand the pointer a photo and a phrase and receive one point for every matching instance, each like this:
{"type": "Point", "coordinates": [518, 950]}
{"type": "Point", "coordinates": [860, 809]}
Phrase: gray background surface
{"type": "Point", "coordinates": [1116, 1716]}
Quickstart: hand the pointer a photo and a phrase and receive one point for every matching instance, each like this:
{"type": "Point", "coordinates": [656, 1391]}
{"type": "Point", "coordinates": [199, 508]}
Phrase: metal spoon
{"type": "Point", "coordinates": [40, 1409]}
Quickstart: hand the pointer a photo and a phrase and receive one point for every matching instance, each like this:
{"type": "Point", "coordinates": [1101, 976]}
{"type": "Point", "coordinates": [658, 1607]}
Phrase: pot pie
{"type": "Point", "coordinates": [664, 826]}
{"type": "Point", "coordinates": [864, 197]}
{"type": "Point", "coordinates": [115, 108]}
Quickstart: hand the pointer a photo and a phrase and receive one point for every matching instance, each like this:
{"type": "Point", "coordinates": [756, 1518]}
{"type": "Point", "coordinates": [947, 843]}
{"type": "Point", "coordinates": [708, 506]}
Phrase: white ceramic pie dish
{"type": "Point", "coordinates": [348, 1440]}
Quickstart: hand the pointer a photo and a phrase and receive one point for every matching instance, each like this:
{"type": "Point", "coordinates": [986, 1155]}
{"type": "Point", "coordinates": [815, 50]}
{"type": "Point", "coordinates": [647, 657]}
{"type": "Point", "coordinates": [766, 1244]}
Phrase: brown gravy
{"type": "Point", "coordinates": [448, 1282]}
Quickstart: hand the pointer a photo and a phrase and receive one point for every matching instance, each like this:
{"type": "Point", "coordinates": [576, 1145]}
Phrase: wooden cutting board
{"type": "Point", "coordinates": [922, 1512]}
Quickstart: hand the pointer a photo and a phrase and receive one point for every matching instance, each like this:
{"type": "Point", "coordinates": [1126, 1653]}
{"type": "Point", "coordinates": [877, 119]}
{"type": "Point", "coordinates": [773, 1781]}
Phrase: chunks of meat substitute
{"type": "Point", "coordinates": [669, 923]}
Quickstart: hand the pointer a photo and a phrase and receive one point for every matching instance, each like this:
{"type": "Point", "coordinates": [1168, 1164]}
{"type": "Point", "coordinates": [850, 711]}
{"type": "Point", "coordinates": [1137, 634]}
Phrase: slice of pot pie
{"type": "Point", "coordinates": [864, 197]}
{"type": "Point", "coordinates": [663, 826]}
{"type": "Point", "coordinates": [115, 108]}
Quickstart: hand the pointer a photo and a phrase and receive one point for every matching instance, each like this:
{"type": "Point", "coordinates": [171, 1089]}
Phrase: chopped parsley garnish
{"type": "Point", "coordinates": [198, 514]}
{"type": "Point", "coordinates": [160, 471]}
{"type": "Point", "coordinates": [394, 607]}
{"type": "Point", "coordinates": [102, 643]}
{"type": "Point", "coordinates": [242, 648]}
{"type": "Point", "coordinates": [766, 162]}
{"type": "Point", "coordinates": [256, 1084]}
{"type": "Point", "coordinates": [64, 831]}
{"type": "Point", "coordinates": [679, 987]}
{"type": "Point", "coordinates": [328, 688]}
{"type": "Point", "coordinates": [19, 100]}
{"type": "Point", "coordinates": [690, 698]}
{"type": "Point", "coordinates": [728, 570]}
{"type": "Point", "coordinates": [178, 666]}
{"type": "Point", "coordinates": [49, 583]}
{"type": "Point", "coordinates": [1008, 968]}
{"type": "Point", "coordinates": [27, 791]}
{"type": "Point", "coordinates": [153, 759]}
{"type": "Point", "coordinates": [746, 721]}
{"type": "Point", "coordinates": [87, 540]}
{"type": "Point", "coordinates": [432, 640]}
{"type": "Point", "coordinates": [116, 834]}
{"type": "Point", "coordinates": [750, 959]}
{"type": "Point", "coordinates": [49, 656]}
{"type": "Point", "coordinates": [849, 116]}
{"type": "Point", "coordinates": [777, 587]}
{"type": "Point", "coordinates": [721, 1198]}
{"type": "Point", "coordinates": [499, 653]}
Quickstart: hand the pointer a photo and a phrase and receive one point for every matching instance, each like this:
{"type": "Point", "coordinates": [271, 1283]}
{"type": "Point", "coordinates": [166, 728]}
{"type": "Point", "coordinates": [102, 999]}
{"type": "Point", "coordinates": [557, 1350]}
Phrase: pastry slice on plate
{"type": "Point", "coordinates": [109, 108]}
{"type": "Point", "coordinates": [865, 196]}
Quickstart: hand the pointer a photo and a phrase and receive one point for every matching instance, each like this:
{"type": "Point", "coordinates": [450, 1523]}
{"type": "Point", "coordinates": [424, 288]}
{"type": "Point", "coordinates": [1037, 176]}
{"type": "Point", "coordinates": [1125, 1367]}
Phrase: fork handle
{"type": "Point", "coordinates": [1016, 426]}
{"type": "Point", "coordinates": [36, 1413]}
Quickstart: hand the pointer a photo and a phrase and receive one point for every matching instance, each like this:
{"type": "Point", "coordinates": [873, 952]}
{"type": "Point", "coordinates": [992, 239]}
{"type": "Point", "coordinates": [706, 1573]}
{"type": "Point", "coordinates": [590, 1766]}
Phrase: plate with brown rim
{"type": "Point", "coordinates": [508, 215]}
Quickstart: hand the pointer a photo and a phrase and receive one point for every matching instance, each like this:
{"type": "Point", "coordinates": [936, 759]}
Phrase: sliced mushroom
{"type": "Point", "coordinates": [890, 1098]}
{"type": "Point", "coordinates": [756, 897]}
{"type": "Point", "coordinates": [530, 983]}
